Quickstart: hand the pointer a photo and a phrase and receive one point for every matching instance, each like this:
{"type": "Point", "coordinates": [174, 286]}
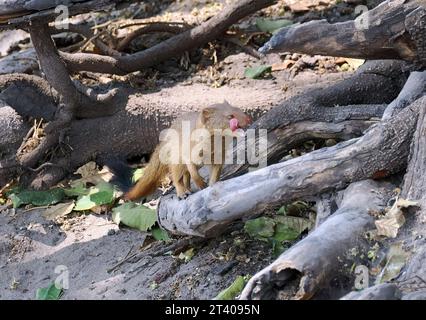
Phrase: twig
{"type": "Point", "coordinates": [91, 40]}
{"type": "Point", "coordinates": [35, 208]}
{"type": "Point", "coordinates": [151, 28]}
{"type": "Point", "coordinates": [141, 22]}
{"type": "Point", "coordinates": [125, 259]}
{"type": "Point", "coordinates": [247, 49]}
{"type": "Point", "coordinates": [46, 165]}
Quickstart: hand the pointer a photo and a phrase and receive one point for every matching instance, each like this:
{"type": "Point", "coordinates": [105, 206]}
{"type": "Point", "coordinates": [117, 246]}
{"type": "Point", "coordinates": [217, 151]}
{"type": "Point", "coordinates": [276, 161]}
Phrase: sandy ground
{"type": "Point", "coordinates": [35, 252]}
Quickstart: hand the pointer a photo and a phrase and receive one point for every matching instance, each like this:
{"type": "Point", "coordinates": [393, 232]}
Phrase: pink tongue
{"type": "Point", "coordinates": [233, 124]}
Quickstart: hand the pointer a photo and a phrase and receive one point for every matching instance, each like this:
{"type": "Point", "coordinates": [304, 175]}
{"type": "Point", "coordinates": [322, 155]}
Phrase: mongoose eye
{"type": "Point", "coordinates": [231, 117]}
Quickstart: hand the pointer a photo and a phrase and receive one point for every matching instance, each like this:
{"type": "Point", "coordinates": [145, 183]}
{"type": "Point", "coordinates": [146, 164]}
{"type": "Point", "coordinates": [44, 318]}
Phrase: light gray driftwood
{"type": "Point", "coordinates": [320, 256]}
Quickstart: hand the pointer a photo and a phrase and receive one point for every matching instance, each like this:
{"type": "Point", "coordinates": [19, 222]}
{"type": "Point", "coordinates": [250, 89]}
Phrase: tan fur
{"type": "Point", "coordinates": [181, 172]}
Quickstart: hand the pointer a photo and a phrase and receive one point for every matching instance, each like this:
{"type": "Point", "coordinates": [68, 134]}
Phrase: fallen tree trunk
{"type": "Point", "coordinates": [382, 151]}
{"type": "Point", "coordinates": [18, 13]}
{"type": "Point", "coordinates": [319, 257]}
{"type": "Point", "coordinates": [389, 31]}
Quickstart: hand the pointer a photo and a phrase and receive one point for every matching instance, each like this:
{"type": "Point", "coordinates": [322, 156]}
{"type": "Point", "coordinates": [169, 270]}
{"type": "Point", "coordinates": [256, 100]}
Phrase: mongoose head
{"type": "Point", "coordinates": [224, 116]}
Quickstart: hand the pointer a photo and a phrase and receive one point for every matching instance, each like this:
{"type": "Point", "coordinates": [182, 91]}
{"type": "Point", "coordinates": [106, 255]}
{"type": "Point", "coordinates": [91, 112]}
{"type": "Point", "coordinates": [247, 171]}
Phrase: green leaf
{"type": "Point", "coordinates": [84, 203]}
{"type": "Point", "coordinates": [297, 208]}
{"type": "Point", "coordinates": [49, 293]}
{"type": "Point", "coordinates": [101, 194]}
{"type": "Point", "coordinates": [277, 248]}
{"type": "Point", "coordinates": [160, 234]}
{"type": "Point", "coordinates": [298, 224]}
{"type": "Point", "coordinates": [77, 189]}
{"type": "Point", "coordinates": [131, 215]}
{"type": "Point", "coordinates": [396, 259]}
{"type": "Point", "coordinates": [256, 72]}
{"type": "Point", "coordinates": [233, 290]}
{"type": "Point", "coordinates": [285, 233]}
{"type": "Point", "coordinates": [270, 26]}
{"type": "Point", "coordinates": [282, 211]}
{"type": "Point", "coordinates": [260, 228]}
{"type": "Point", "coordinates": [37, 198]}
{"type": "Point", "coordinates": [137, 174]}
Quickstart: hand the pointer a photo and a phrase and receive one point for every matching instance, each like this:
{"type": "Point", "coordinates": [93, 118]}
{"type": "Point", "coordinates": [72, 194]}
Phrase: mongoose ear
{"type": "Point", "coordinates": [206, 113]}
{"type": "Point", "coordinates": [226, 102]}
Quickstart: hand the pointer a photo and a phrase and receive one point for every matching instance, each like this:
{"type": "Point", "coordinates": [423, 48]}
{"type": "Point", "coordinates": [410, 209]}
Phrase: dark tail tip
{"type": "Point", "coordinates": [122, 173]}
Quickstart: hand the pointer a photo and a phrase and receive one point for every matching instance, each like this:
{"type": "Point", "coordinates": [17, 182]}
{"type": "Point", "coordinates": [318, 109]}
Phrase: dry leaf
{"type": "Point", "coordinates": [396, 259]}
{"type": "Point", "coordinates": [100, 209]}
{"type": "Point", "coordinates": [89, 169]}
{"type": "Point", "coordinates": [394, 219]}
{"type": "Point", "coordinates": [60, 210]}
{"type": "Point", "coordinates": [91, 174]}
{"type": "Point", "coordinates": [283, 65]}
{"type": "Point", "coordinates": [355, 63]}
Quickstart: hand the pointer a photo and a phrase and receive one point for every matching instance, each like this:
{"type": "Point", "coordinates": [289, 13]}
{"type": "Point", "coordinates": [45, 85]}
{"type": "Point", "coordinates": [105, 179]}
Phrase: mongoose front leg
{"type": "Point", "coordinates": [187, 181]}
{"type": "Point", "coordinates": [215, 171]}
{"type": "Point", "coordinates": [178, 181]}
{"type": "Point", "coordinates": [193, 171]}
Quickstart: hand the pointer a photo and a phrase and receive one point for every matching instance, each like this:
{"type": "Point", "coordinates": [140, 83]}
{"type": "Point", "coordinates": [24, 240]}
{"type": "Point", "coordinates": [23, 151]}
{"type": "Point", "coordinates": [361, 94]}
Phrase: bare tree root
{"type": "Point", "coordinates": [77, 103]}
{"type": "Point", "coordinates": [388, 31]}
{"type": "Point", "coordinates": [29, 95]}
{"type": "Point", "coordinates": [376, 83]}
{"type": "Point", "coordinates": [414, 88]}
{"type": "Point", "coordinates": [74, 102]}
{"type": "Point", "coordinates": [193, 38]}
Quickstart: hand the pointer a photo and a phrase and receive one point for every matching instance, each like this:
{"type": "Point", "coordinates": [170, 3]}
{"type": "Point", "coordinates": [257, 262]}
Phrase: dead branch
{"type": "Point", "coordinates": [193, 38]}
{"type": "Point", "coordinates": [88, 33]}
{"type": "Point", "coordinates": [151, 28]}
